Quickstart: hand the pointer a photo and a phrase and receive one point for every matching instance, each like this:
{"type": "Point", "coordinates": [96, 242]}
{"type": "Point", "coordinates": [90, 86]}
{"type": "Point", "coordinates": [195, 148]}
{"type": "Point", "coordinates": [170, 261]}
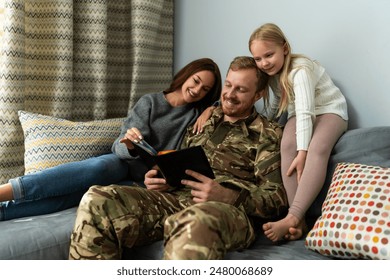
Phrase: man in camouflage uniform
{"type": "Point", "coordinates": [208, 217]}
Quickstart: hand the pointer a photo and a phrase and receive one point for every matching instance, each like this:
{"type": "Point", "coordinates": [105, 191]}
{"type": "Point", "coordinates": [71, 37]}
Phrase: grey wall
{"type": "Point", "coordinates": [351, 39]}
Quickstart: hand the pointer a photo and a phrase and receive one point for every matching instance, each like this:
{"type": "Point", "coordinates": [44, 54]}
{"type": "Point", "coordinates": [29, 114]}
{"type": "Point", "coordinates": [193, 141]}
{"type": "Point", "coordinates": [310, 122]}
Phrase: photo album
{"type": "Point", "coordinates": [173, 163]}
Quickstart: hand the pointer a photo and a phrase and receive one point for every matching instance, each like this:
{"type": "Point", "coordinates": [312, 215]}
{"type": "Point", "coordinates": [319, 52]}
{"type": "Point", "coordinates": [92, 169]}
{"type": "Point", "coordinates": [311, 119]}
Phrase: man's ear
{"type": "Point", "coordinates": [259, 95]}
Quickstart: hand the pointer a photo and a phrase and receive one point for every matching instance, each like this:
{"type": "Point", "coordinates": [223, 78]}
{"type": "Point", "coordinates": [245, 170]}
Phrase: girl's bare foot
{"type": "Point", "coordinates": [297, 232]}
{"type": "Point", "coordinates": [290, 228]}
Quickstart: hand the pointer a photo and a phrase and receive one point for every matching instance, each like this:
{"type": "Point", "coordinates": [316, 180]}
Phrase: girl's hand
{"type": "Point", "coordinates": [298, 165]}
{"type": "Point", "coordinates": [152, 182]}
{"type": "Point", "coordinates": [132, 135]}
{"type": "Point", "coordinates": [202, 119]}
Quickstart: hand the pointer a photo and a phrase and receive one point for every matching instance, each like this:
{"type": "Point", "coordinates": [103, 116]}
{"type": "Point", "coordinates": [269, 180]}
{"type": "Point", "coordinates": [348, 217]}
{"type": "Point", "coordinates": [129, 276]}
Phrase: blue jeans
{"type": "Point", "coordinates": [62, 186]}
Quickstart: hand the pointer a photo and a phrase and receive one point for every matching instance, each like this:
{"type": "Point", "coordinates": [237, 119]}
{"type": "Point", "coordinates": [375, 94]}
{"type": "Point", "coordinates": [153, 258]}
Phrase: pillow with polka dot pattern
{"type": "Point", "coordinates": [355, 219]}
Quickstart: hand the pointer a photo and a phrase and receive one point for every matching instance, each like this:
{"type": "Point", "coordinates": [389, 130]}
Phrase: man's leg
{"type": "Point", "coordinates": [206, 231]}
{"type": "Point", "coordinates": [113, 217]}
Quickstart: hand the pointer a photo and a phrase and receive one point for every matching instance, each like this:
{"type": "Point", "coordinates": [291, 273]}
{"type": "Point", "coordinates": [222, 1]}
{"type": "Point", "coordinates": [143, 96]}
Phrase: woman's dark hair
{"type": "Point", "coordinates": [195, 67]}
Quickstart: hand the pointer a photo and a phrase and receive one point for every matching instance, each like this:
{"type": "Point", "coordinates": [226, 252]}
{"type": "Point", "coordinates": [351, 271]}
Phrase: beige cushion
{"type": "Point", "coordinates": [51, 141]}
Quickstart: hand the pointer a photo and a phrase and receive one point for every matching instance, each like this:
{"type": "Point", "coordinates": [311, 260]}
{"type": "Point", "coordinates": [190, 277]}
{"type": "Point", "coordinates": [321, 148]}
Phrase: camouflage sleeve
{"type": "Point", "coordinates": [268, 198]}
{"type": "Point", "coordinates": [265, 198]}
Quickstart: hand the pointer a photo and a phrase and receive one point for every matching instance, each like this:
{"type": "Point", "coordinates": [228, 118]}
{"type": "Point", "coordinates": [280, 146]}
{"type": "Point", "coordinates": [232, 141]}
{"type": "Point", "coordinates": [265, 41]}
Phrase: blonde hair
{"type": "Point", "coordinates": [271, 32]}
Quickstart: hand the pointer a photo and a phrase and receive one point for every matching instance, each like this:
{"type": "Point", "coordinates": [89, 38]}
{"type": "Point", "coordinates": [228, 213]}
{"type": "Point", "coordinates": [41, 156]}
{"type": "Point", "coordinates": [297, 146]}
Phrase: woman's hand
{"type": "Point", "coordinates": [202, 119]}
{"type": "Point", "coordinates": [132, 135]}
{"type": "Point", "coordinates": [298, 164]}
{"type": "Point", "coordinates": [152, 182]}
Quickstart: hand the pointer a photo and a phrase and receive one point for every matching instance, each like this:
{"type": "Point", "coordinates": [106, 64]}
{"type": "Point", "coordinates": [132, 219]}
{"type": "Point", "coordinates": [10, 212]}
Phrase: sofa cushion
{"type": "Point", "coordinates": [261, 249]}
{"type": "Point", "coordinates": [369, 146]}
{"type": "Point", "coordinates": [355, 220]}
{"type": "Point", "coordinates": [50, 141]}
{"type": "Point", "coordinates": [44, 237]}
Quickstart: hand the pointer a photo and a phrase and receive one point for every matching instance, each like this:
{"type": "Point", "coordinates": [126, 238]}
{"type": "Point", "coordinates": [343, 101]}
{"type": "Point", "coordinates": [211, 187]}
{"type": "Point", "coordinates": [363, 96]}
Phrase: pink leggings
{"type": "Point", "coordinates": [326, 131]}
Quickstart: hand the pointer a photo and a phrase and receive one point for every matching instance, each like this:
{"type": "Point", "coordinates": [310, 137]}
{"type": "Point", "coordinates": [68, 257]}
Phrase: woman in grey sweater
{"type": "Point", "coordinates": [160, 118]}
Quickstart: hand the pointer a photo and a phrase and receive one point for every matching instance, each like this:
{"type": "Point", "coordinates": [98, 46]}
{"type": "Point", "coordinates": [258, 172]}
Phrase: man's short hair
{"type": "Point", "coordinates": [247, 62]}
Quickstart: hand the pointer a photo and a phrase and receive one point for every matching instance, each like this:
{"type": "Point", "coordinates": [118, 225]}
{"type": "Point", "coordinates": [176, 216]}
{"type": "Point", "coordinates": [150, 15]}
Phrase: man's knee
{"type": "Point", "coordinates": [92, 197]}
{"type": "Point", "coordinates": [194, 233]}
{"type": "Point", "coordinates": [195, 217]}
{"type": "Point", "coordinates": [95, 204]}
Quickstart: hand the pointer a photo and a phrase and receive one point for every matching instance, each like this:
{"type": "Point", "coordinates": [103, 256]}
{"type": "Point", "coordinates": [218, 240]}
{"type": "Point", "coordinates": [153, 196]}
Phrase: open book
{"type": "Point", "coordinates": [172, 164]}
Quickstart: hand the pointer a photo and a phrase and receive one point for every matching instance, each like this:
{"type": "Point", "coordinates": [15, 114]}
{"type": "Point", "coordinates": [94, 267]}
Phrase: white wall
{"type": "Point", "coordinates": [350, 38]}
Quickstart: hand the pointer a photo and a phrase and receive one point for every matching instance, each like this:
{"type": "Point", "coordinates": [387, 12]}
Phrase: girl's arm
{"type": "Point", "coordinates": [298, 164]}
{"type": "Point", "coordinates": [304, 94]}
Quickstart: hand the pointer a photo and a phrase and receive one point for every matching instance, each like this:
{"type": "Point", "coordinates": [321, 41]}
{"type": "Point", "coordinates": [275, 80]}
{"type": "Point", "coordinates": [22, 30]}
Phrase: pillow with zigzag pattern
{"type": "Point", "coordinates": [51, 141]}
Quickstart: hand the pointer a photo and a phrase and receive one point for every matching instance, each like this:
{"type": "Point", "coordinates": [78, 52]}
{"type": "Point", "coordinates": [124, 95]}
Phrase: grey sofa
{"type": "Point", "coordinates": [47, 236]}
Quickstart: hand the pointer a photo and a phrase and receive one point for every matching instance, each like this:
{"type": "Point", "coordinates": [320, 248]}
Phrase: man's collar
{"type": "Point", "coordinates": [217, 117]}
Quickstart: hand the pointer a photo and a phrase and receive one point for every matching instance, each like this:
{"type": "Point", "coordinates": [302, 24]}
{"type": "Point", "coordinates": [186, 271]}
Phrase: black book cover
{"type": "Point", "coordinates": [172, 164]}
{"type": "Point", "coordinates": [146, 152]}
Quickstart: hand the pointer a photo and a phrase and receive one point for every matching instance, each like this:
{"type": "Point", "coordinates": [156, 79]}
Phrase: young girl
{"type": "Point", "coordinates": [317, 117]}
{"type": "Point", "coordinates": [161, 118]}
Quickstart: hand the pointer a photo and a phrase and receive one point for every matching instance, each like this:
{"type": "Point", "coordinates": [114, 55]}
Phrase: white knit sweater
{"type": "Point", "coordinates": [314, 94]}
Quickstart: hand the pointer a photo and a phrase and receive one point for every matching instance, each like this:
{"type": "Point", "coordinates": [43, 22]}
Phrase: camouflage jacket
{"type": "Point", "coordinates": [245, 155]}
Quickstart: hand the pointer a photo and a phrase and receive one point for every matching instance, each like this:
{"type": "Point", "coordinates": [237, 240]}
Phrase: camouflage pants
{"type": "Point", "coordinates": [113, 217]}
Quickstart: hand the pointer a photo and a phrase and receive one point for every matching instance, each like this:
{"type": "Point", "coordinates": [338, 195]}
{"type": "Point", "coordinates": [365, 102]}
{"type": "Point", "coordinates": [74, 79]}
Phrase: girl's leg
{"type": "Point", "coordinates": [327, 130]}
{"type": "Point", "coordinates": [288, 151]}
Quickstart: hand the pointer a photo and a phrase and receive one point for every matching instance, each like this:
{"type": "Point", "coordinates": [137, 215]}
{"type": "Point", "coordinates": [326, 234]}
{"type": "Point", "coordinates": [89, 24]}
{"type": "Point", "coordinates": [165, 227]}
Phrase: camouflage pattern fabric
{"type": "Point", "coordinates": [206, 231]}
{"type": "Point", "coordinates": [247, 157]}
{"type": "Point", "coordinates": [244, 156]}
{"type": "Point", "coordinates": [113, 217]}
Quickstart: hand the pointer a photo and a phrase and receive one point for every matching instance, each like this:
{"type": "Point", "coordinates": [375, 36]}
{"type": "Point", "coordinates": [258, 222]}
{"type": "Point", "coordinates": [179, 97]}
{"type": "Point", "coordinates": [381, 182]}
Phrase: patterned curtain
{"type": "Point", "coordinates": [80, 60]}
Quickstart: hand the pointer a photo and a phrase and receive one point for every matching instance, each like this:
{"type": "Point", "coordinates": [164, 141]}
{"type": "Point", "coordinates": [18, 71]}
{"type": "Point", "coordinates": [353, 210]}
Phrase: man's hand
{"type": "Point", "coordinates": [209, 190]}
{"type": "Point", "coordinates": [154, 183]}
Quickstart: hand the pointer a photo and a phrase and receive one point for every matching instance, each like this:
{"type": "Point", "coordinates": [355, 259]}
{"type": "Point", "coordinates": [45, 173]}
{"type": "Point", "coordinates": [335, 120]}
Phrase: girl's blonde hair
{"type": "Point", "coordinates": [271, 32]}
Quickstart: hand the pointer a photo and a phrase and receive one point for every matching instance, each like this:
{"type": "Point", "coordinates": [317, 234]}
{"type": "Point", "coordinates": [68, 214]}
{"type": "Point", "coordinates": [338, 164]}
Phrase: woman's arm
{"type": "Point", "coordinates": [202, 119]}
{"type": "Point", "coordinates": [137, 118]}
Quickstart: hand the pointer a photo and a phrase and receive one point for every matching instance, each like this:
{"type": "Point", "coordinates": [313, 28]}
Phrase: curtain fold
{"type": "Point", "coordinates": [80, 60]}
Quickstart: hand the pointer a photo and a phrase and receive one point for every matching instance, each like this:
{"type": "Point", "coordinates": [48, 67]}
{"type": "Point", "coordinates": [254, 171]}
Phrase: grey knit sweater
{"type": "Point", "coordinates": [161, 125]}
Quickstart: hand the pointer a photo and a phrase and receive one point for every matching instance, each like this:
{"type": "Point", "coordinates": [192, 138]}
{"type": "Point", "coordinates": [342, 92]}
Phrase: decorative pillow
{"type": "Point", "coordinates": [51, 141]}
{"type": "Point", "coordinates": [355, 220]}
